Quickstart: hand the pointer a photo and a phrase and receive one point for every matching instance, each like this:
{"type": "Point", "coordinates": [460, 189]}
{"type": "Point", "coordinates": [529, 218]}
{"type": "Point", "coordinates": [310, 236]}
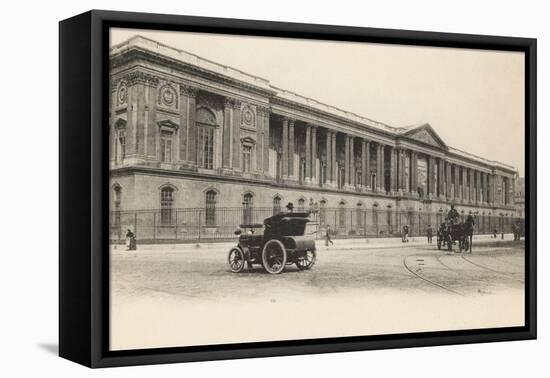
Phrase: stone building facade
{"type": "Point", "coordinates": [519, 197]}
{"type": "Point", "coordinates": [186, 132]}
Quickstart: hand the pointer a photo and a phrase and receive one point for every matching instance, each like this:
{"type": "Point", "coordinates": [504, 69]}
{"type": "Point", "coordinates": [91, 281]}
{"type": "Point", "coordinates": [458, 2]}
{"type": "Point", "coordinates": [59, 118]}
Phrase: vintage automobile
{"type": "Point", "coordinates": [283, 242]}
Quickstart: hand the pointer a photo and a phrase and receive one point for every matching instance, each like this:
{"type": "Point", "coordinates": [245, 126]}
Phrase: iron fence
{"type": "Point", "coordinates": [220, 223]}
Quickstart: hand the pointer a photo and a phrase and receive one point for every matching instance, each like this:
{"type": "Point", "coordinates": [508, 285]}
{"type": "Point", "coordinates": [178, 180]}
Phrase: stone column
{"type": "Point", "coordinates": [441, 178]}
{"type": "Point", "coordinates": [366, 170]}
{"type": "Point", "coordinates": [472, 186]}
{"type": "Point", "coordinates": [328, 148]}
{"type": "Point", "coordinates": [478, 186]}
{"type": "Point", "coordinates": [137, 84]}
{"type": "Point", "coordinates": [457, 182]}
{"type": "Point", "coordinates": [491, 179]}
{"type": "Point", "coordinates": [414, 172]}
{"type": "Point", "coordinates": [512, 191]}
{"type": "Point", "coordinates": [291, 149]}
{"type": "Point", "coordinates": [308, 154]}
{"type": "Point", "coordinates": [448, 177]}
{"type": "Point", "coordinates": [140, 118]}
{"type": "Point", "coordinates": [483, 187]}
{"type": "Point", "coordinates": [314, 177]}
{"type": "Point", "coordinates": [464, 186]}
{"type": "Point", "coordinates": [284, 157]}
{"type": "Point", "coordinates": [431, 176]}
{"type": "Point", "coordinates": [382, 166]}
{"type": "Point", "coordinates": [264, 117]}
{"type": "Point", "coordinates": [334, 165]}
{"type": "Point", "coordinates": [226, 144]}
{"type": "Point", "coordinates": [400, 171]}
{"type": "Point", "coordinates": [486, 188]}
{"type": "Point", "coordinates": [236, 135]}
{"type": "Point", "coordinates": [151, 129]}
{"type": "Point", "coordinates": [346, 161]}
{"type": "Point", "coordinates": [351, 161]}
{"type": "Point", "coordinates": [393, 170]}
{"type": "Point", "coordinates": [259, 140]}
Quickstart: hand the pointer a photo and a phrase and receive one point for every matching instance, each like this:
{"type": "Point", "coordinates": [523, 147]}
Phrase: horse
{"type": "Point", "coordinates": [469, 230]}
{"type": "Point", "coordinates": [462, 232]}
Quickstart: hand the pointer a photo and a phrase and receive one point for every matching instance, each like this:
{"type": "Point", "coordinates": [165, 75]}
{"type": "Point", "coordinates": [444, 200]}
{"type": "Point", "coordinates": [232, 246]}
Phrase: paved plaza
{"type": "Point", "coordinates": [170, 292]}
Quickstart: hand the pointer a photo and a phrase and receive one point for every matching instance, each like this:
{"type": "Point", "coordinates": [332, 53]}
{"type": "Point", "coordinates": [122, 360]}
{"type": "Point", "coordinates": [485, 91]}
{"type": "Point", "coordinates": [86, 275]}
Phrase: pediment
{"type": "Point", "coordinates": [426, 134]}
{"type": "Point", "coordinates": [120, 123]}
{"type": "Point", "coordinates": [168, 124]}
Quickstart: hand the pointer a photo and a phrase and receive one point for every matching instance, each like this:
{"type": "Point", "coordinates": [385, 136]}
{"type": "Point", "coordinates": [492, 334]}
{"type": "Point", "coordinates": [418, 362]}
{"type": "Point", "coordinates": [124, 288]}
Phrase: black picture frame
{"type": "Point", "coordinates": [83, 249]}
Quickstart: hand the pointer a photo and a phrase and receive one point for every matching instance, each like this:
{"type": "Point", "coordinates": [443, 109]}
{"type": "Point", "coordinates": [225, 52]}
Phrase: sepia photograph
{"type": "Point", "coordinates": [268, 189]}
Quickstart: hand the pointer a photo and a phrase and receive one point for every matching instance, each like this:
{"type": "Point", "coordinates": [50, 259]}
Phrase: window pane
{"type": "Point", "coordinates": [210, 208]}
{"type": "Point", "coordinates": [166, 205]}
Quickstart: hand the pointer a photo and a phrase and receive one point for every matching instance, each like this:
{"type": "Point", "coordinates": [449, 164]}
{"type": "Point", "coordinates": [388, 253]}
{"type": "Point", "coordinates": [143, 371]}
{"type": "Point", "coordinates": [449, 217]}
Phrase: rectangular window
{"type": "Point", "coordinates": [205, 147]}
{"type": "Point", "coordinates": [247, 153]}
{"type": "Point", "coordinates": [276, 205]}
{"type": "Point", "coordinates": [121, 145]}
{"type": "Point", "coordinates": [166, 147]}
{"type": "Point", "coordinates": [323, 213]}
{"type": "Point", "coordinates": [342, 216]}
{"type": "Point", "coordinates": [210, 208]}
{"type": "Point", "coordinates": [166, 206]}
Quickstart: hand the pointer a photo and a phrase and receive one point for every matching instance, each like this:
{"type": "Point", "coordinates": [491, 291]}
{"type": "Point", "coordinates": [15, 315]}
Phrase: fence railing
{"type": "Point", "coordinates": [220, 223]}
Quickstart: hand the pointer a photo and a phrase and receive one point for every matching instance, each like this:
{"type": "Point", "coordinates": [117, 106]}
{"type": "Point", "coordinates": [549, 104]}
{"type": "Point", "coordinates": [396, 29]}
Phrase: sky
{"type": "Point", "coordinates": [474, 99]}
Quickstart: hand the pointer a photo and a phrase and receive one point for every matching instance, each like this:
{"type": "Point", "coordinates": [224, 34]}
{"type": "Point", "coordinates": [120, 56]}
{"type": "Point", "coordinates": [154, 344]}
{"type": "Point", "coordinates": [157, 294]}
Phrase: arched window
{"type": "Point", "coordinates": [210, 209]}
{"type": "Point", "coordinates": [323, 211]}
{"type": "Point", "coordinates": [117, 194]}
{"type": "Point", "coordinates": [247, 208]}
{"type": "Point", "coordinates": [360, 215]}
{"type": "Point", "coordinates": [301, 205]}
{"type": "Point", "coordinates": [276, 205]}
{"type": "Point", "coordinates": [342, 214]}
{"type": "Point", "coordinates": [166, 206]}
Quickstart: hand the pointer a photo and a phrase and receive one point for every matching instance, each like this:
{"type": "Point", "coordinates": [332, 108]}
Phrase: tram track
{"type": "Point", "coordinates": [481, 266]}
{"type": "Point", "coordinates": [426, 279]}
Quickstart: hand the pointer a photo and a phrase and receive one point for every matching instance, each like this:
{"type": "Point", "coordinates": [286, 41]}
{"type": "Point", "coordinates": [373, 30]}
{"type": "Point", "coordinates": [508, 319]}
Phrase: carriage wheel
{"type": "Point", "coordinates": [274, 256]}
{"type": "Point", "coordinates": [236, 260]}
{"type": "Point", "coordinates": [307, 261]}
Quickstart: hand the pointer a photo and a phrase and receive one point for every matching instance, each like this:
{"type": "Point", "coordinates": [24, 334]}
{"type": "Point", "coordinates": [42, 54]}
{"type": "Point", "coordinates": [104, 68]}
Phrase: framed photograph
{"type": "Point", "coordinates": [234, 188]}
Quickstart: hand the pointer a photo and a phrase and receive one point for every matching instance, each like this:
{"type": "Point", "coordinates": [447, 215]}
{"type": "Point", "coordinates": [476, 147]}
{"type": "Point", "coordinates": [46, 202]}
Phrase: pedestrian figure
{"type": "Point", "coordinates": [405, 234]}
{"type": "Point", "coordinates": [130, 241]}
{"type": "Point", "coordinates": [290, 207]}
{"type": "Point", "coordinates": [429, 233]}
{"type": "Point", "coordinates": [494, 233]}
{"type": "Point", "coordinates": [327, 237]}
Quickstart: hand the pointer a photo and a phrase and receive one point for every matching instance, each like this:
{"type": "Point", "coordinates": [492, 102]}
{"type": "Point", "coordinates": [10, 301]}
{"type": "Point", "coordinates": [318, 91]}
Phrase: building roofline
{"type": "Point", "coordinates": [141, 42]}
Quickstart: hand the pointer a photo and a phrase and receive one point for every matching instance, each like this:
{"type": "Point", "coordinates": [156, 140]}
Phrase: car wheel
{"type": "Point", "coordinates": [236, 260]}
{"type": "Point", "coordinates": [307, 261]}
{"type": "Point", "coordinates": [274, 256]}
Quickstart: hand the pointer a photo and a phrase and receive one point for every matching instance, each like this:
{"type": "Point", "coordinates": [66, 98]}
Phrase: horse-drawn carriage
{"type": "Point", "coordinates": [282, 243]}
{"type": "Point", "coordinates": [461, 233]}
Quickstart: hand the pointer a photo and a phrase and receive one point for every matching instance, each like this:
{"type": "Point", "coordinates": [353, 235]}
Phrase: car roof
{"type": "Point", "coordinates": [254, 225]}
{"type": "Point", "coordinates": [282, 217]}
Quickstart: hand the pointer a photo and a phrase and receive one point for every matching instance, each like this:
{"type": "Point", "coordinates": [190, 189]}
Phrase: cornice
{"type": "Point", "coordinates": [135, 53]}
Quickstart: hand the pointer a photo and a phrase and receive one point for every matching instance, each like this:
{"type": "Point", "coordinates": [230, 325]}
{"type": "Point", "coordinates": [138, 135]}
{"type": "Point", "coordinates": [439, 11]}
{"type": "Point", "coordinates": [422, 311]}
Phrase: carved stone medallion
{"type": "Point", "coordinates": [248, 116]}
